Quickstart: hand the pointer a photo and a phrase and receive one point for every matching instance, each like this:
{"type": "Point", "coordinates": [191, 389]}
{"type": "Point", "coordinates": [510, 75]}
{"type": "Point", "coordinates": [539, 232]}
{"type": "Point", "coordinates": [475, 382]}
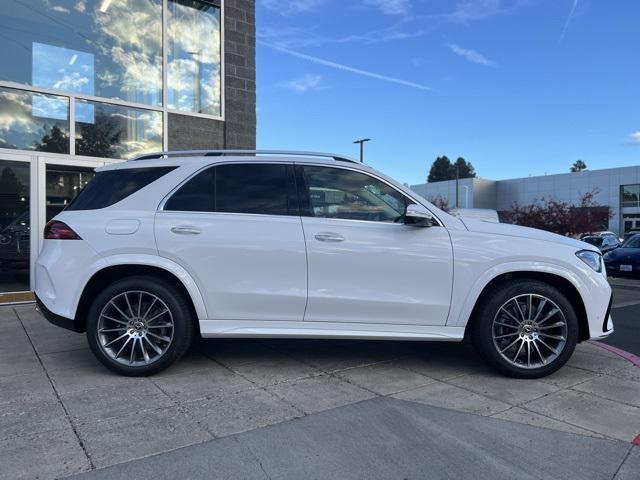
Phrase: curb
{"type": "Point", "coordinates": [635, 359]}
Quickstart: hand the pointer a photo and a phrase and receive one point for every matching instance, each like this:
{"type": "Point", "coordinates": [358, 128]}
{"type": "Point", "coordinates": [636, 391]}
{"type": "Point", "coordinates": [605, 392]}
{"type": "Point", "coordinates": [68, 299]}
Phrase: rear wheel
{"type": "Point", "coordinates": [526, 329]}
{"type": "Point", "coordinates": [139, 326]}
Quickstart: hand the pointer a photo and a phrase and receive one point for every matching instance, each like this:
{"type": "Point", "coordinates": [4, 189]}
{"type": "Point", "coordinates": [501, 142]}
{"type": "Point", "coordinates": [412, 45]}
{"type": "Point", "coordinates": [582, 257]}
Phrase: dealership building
{"type": "Point", "coordinates": [617, 188]}
{"type": "Point", "coordinates": [84, 83]}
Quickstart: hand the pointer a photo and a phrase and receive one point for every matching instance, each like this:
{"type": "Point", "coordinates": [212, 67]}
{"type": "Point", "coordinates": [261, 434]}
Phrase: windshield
{"type": "Point", "coordinates": [597, 241]}
{"type": "Point", "coordinates": [632, 242]}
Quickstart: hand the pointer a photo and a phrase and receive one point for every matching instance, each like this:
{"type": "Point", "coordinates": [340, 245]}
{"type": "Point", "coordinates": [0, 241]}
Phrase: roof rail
{"type": "Point", "coordinates": [221, 153]}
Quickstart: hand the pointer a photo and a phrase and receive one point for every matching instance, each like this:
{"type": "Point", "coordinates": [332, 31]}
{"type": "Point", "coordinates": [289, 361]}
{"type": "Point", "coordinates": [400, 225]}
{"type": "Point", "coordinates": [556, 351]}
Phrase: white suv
{"type": "Point", "coordinates": [293, 244]}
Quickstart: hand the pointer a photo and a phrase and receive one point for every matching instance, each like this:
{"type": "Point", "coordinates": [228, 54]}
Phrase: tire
{"type": "Point", "coordinates": [129, 330]}
{"type": "Point", "coordinates": [518, 349]}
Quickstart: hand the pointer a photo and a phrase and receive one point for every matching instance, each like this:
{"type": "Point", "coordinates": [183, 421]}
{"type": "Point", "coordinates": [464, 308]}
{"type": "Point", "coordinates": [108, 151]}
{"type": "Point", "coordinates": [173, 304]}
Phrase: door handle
{"type": "Point", "coordinates": [329, 237]}
{"type": "Point", "coordinates": [186, 230]}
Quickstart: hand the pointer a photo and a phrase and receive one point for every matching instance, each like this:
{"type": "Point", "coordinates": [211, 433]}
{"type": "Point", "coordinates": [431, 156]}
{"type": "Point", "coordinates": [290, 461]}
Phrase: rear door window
{"type": "Point", "coordinates": [265, 189]}
{"type": "Point", "coordinates": [111, 186]}
{"type": "Point", "coordinates": [254, 188]}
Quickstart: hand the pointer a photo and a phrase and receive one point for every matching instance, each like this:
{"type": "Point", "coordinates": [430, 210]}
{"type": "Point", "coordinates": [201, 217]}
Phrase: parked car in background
{"type": "Point", "coordinates": [604, 243]}
{"type": "Point", "coordinates": [157, 250]}
{"type": "Point", "coordinates": [630, 233]}
{"type": "Point", "coordinates": [625, 259]}
{"type": "Point", "coordinates": [604, 233]}
{"type": "Point", "coordinates": [484, 214]}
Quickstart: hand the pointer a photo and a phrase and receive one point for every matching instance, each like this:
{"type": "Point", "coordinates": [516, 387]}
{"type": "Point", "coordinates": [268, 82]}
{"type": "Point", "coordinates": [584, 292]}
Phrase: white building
{"type": "Point", "coordinates": [618, 188]}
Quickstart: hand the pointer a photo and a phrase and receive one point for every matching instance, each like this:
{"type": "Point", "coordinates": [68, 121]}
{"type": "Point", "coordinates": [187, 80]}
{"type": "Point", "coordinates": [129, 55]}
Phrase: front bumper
{"type": "Point", "coordinates": [55, 319]}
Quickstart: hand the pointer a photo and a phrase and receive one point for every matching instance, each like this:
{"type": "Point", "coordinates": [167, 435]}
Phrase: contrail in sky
{"type": "Point", "coordinates": [346, 68]}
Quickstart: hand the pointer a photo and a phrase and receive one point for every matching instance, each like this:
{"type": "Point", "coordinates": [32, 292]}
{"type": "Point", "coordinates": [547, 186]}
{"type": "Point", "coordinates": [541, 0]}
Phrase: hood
{"type": "Point", "coordinates": [524, 232]}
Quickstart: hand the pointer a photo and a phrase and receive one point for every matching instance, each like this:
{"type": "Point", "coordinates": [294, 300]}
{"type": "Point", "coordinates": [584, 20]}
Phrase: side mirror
{"type": "Point", "coordinates": [418, 216]}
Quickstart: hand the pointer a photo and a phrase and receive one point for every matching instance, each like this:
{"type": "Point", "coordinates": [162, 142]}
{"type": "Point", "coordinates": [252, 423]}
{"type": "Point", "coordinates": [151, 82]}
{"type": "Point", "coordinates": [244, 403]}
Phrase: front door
{"type": "Point", "coordinates": [235, 228]}
{"type": "Point", "coordinates": [365, 265]}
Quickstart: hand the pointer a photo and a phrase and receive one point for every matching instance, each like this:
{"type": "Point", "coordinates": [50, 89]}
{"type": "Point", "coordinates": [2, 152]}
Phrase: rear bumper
{"type": "Point", "coordinates": [55, 319]}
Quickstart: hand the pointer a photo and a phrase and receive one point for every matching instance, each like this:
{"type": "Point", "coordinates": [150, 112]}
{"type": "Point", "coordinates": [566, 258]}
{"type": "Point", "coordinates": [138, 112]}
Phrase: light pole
{"type": "Point", "coordinates": [457, 182]}
{"type": "Point", "coordinates": [362, 142]}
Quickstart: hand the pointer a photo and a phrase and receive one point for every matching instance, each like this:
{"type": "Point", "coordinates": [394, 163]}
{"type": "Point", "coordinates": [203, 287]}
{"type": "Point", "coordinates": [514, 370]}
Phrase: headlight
{"type": "Point", "coordinates": [591, 258]}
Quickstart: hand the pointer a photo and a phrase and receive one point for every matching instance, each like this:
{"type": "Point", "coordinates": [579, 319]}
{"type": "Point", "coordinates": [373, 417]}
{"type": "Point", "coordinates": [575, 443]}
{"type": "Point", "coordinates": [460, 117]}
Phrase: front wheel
{"type": "Point", "coordinates": [139, 326]}
{"type": "Point", "coordinates": [526, 329]}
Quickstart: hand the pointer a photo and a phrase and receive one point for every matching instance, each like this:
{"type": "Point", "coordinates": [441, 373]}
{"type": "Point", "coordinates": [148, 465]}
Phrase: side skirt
{"type": "Point", "coordinates": [362, 331]}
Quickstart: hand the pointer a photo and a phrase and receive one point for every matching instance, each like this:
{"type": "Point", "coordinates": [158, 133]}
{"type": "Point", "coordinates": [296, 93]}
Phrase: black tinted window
{"type": "Point", "coordinates": [194, 196]}
{"type": "Point", "coordinates": [252, 188]}
{"type": "Point", "coordinates": [339, 193]}
{"type": "Point", "coordinates": [111, 186]}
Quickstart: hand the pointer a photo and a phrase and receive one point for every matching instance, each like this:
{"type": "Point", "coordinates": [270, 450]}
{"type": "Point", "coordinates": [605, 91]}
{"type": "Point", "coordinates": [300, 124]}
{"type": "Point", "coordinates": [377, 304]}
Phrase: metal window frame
{"type": "Point", "coordinates": [163, 108]}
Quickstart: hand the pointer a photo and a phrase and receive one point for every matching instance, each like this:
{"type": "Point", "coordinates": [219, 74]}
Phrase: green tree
{"type": "Point", "coordinates": [578, 166]}
{"type": "Point", "coordinates": [443, 169]}
{"type": "Point", "coordinates": [465, 169]}
{"type": "Point", "coordinates": [440, 170]}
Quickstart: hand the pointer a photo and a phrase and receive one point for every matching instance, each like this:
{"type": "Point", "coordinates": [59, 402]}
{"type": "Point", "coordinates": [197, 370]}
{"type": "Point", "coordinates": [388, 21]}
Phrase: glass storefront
{"type": "Point", "coordinates": [91, 78]}
{"type": "Point", "coordinates": [14, 226]}
{"type": "Point", "coordinates": [101, 62]}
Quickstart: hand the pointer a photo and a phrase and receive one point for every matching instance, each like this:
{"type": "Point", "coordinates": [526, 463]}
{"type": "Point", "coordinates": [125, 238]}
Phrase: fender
{"type": "Point", "coordinates": [149, 261]}
{"type": "Point", "coordinates": [460, 317]}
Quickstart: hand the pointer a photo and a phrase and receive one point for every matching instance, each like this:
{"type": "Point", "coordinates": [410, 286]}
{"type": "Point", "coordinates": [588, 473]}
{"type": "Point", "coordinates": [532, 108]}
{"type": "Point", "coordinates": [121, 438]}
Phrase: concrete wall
{"type": "Point", "coordinates": [238, 130]}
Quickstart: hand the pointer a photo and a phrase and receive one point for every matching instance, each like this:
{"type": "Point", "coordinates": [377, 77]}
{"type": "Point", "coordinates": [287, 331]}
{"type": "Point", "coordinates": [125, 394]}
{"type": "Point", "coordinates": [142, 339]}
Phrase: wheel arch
{"type": "Point", "coordinates": [111, 273]}
{"type": "Point", "coordinates": [561, 283]}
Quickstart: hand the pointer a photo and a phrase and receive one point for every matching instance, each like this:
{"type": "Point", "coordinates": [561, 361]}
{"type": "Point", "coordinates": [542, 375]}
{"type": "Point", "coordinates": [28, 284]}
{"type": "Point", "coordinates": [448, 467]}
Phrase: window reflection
{"type": "Point", "coordinates": [113, 131]}
{"type": "Point", "coordinates": [631, 195]}
{"type": "Point", "coordinates": [106, 48]}
{"type": "Point", "coordinates": [63, 184]}
{"type": "Point", "coordinates": [14, 226]}
{"type": "Point", "coordinates": [193, 56]}
{"type": "Point", "coordinates": [31, 121]}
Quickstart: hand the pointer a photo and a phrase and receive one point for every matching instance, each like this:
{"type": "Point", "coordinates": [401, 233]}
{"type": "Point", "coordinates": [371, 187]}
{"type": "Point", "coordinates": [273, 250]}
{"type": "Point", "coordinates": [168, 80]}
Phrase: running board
{"type": "Point", "coordinates": [360, 331]}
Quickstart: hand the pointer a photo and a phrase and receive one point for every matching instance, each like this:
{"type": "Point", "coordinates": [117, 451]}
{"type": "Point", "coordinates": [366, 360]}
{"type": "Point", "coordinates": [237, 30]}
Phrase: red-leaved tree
{"type": "Point", "coordinates": [561, 217]}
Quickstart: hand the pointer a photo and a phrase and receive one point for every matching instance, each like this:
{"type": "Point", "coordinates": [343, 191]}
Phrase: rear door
{"type": "Point", "coordinates": [236, 229]}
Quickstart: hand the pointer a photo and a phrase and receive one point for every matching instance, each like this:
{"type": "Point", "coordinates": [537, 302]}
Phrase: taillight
{"type": "Point", "coordinates": [57, 230]}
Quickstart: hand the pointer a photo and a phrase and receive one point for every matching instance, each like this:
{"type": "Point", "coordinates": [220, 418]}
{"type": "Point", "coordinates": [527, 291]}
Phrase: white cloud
{"type": "Point", "coordinates": [391, 7]}
{"type": "Point", "coordinates": [569, 18]}
{"type": "Point", "coordinates": [343, 67]}
{"type": "Point", "coordinates": [292, 7]}
{"type": "Point", "coordinates": [306, 83]}
{"type": "Point", "coordinates": [470, 55]}
{"type": "Point", "coordinates": [635, 137]}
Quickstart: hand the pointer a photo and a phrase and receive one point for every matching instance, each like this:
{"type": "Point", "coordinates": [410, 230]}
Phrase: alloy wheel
{"type": "Point", "coordinates": [135, 328]}
{"type": "Point", "coordinates": [529, 331]}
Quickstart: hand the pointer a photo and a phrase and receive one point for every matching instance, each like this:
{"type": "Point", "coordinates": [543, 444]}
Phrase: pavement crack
{"type": "Point", "coordinates": [57, 394]}
{"type": "Point", "coordinates": [255, 457]}
{"type": "Point", "coordinates": [615, 474]}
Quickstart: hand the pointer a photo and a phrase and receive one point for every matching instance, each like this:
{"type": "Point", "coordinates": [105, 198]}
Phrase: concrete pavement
{"type": "Point", "coordinates": [387, 438]}
{"type": "Point", "coordinates": [63, 413]}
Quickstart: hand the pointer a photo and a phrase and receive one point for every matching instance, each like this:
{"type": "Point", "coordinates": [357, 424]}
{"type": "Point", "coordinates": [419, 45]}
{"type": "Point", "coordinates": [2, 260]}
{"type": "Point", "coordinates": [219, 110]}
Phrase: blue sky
{"type": "Point", "coordinates": [517, 87]}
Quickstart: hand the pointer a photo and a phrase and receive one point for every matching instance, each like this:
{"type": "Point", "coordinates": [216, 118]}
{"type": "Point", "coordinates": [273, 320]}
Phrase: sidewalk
{"type": "Point", "coordinates": [63, 413]}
